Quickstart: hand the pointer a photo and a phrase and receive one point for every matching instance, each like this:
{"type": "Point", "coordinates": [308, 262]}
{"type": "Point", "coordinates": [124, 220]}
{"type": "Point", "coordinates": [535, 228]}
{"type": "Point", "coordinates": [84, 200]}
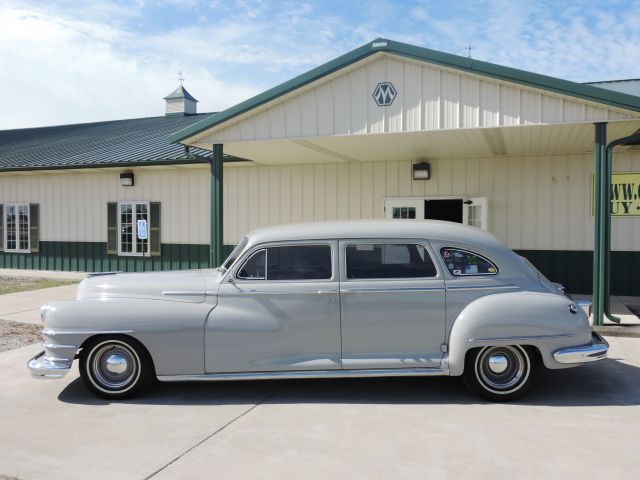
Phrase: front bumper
{"type": "Point", "coordinates": [596, 350]}
{"type": "Point", "coordinates": [43, 367]}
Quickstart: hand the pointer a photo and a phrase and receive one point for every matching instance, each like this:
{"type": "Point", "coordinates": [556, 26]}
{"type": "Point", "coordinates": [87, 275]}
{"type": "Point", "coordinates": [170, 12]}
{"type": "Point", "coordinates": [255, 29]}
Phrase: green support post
{"type": "Point", "coordinates": [216, 239]}
{"type": "Point", "coordinates": [599, 188]}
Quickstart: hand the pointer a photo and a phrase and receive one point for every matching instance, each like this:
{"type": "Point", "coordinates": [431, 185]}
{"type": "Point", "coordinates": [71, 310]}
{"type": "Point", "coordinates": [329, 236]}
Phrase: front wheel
{"type": "Point", "coordinates": [116, 368]}
{"type": "Point", "coordinates": [500, 374]}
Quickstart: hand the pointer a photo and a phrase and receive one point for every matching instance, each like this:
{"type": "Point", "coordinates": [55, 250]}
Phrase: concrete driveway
{"type": "Point", "coordinates": [581, 423]}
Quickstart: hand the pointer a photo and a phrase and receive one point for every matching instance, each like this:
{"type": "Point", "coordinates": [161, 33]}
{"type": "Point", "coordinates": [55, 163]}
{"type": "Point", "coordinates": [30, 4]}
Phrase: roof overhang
{"type": "Point", "coordinates": [561, 139]}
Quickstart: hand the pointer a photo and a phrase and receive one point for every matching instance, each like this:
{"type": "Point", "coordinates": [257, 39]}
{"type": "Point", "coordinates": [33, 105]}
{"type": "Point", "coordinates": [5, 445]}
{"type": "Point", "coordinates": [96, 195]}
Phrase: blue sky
{"type": "Point", "coordinates": [68, 62]}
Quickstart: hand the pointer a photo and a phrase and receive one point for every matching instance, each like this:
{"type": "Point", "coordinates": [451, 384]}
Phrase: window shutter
{"type": "Point", "coordinates": [34, 225]}
{"type": "Point", "coordinates": [154, 233]}
{"type": "Point", "coordinates": [112, 228]}
{"type": "Point", "coordinates": [1, 227]}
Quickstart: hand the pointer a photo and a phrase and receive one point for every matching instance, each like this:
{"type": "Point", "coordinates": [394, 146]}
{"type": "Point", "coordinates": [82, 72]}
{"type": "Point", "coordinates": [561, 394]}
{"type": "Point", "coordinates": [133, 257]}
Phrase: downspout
{"type": "Point", "coordinates": [629, 140]}
{"type": "Point", "coordinates": [598, 241]}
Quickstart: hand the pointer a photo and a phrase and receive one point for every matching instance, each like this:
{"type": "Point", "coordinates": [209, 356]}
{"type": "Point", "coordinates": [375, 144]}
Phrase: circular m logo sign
{"type": "Point", "coordinates": [384, 94]}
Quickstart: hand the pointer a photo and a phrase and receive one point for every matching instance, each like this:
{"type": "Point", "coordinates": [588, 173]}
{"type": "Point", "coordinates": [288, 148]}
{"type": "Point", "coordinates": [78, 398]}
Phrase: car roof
{"type": "Point", "coordinates": [422, 229]}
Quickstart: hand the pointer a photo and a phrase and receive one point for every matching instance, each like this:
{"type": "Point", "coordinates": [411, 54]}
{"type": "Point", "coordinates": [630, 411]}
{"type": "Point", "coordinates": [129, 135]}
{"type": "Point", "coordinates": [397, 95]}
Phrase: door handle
{"type": "Point", "coordinates": [326, 292]}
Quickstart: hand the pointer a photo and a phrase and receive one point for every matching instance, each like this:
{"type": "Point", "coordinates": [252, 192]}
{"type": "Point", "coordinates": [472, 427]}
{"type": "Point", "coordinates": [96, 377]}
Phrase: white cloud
{"type": "Point", "coordinates": [65, 62]}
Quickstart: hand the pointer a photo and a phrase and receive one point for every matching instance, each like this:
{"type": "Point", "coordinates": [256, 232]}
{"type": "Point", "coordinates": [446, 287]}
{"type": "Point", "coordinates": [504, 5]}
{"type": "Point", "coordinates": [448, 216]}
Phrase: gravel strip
{"type": "Point", "coordinates": [17, 334]}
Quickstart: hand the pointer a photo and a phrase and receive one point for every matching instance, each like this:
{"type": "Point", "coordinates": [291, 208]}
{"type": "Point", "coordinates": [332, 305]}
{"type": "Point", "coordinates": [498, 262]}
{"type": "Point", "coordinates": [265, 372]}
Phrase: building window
{"type": "Point", "coordinates": [128, 215]}
{"type": "Point", "coordinates": [16, 227]}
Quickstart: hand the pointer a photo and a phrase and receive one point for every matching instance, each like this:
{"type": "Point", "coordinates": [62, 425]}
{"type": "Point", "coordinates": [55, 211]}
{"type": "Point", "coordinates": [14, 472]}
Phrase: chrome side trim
{"type": "Point", "coordinates": [392, 289]}
{"type": "Point", "coordinates": [42, 367]}
{"type": "Point", "coordinates": [480, 287]}
{"type": "Point", "coordinates": [53, 333]}
{"type": "Point", "coordinates": [596, 350]}
{"type": "Point", "coordinates": [285, 292]}
{"type": "Point", "coordinates": [523, 337]}
{"type": "Point", "coordinates": [379, 372]}
{"type": "Point", "coordinates": [53, 346]}
{"type": "Point", "coordinates": [184, 293]}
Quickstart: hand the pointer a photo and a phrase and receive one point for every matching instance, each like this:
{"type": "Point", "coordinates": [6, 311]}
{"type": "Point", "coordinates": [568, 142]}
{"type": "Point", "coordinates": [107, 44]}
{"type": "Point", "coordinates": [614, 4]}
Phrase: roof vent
{"type": "Point", "coordinates": [180, 102]}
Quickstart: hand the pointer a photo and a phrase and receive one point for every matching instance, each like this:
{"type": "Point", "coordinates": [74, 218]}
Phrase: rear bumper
{"type": "Point", "coordinates": [591, 352]}
{"type": "Point", "coordinates": [42, 367]}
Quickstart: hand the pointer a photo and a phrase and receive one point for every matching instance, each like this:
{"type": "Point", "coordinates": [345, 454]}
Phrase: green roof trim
{"type": "Point", "coordinates": [180, 92]}
{"type": "Point", "coordinates": [507, 74]}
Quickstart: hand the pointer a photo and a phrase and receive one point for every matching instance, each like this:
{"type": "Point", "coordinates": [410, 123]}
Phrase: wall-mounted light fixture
{"type": "Point", "coordinates": [421, 171]}
{"type": "Point", "coordinates": [126, 179]}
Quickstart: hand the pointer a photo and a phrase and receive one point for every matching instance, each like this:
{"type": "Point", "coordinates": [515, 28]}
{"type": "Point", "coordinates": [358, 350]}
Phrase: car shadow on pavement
{"type": "Point", "coordinates": [606, 383]}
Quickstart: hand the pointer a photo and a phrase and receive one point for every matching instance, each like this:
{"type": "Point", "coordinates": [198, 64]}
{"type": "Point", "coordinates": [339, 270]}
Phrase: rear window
{"type": "Point", "coordinates": [464, 262]}
{"type": "Point", "coordinates": [388, 260]}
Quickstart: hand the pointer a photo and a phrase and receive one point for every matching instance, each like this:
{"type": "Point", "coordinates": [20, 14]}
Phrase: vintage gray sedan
{"type": "Point", "coordinates": [339, 299]}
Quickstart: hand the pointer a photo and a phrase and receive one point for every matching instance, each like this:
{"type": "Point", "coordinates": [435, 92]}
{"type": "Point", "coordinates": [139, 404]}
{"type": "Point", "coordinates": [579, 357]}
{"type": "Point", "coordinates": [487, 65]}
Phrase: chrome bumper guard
{"type": "Point", "coordinates": [42, 367]}
{"type": "Point", "coordinates": [596, 350]}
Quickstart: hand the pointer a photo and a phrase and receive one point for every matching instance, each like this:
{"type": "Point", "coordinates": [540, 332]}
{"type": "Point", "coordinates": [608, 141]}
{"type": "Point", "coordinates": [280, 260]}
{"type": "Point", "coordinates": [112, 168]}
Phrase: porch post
{"type": "Point", "coordinates": [216, 239]}
{"type": "Point", "coordinates": [600, 205]}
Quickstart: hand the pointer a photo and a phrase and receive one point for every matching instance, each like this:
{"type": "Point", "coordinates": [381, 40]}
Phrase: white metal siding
{"type": "Point", "coordinates": [535, 202]}
{"type": "Point", "coordinates": [73, 206]}
{"type": "Point", "coordinates": [429, 98]}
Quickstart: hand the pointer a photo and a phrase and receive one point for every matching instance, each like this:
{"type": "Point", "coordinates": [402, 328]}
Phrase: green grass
{"type": "Point", "coordinates": [24, 284]}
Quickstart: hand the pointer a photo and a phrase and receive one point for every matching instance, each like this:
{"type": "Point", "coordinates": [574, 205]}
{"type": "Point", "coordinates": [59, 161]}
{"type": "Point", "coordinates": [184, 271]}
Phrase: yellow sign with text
{"type": "Point", "coordinates": [625, 194]}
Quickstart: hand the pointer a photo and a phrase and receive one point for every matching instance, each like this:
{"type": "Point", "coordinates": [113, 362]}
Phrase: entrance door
{"type": "Point", "coordinates": [468, 211]}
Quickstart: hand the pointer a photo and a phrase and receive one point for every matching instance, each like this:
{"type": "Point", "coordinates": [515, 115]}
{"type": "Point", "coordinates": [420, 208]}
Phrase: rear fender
{"type": "Point", "coordinates": [539, 319]}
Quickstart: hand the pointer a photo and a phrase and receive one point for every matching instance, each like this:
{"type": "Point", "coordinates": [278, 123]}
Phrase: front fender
{"type": "Point", "coordinates": [171, 331]}
{"type": "Point", "coordinates": [542, 320]}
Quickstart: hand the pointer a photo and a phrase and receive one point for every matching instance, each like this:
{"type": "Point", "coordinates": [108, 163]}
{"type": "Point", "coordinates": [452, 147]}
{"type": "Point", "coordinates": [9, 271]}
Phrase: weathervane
{"type": "Point", "coordinates": [180, 77]}
{"type": "Point", "coordinates": [468, 48]}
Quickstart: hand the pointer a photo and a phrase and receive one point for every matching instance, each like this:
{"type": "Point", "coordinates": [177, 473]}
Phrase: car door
{"type": "Point", "coordinates": [278, 310]}
{"type": "Point", "coordinates": [392, 304]}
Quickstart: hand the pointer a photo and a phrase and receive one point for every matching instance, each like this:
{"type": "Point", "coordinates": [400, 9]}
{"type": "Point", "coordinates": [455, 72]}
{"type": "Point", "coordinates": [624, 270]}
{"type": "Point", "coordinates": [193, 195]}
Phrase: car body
{"type": "Point", "coordinates": [326, 299]}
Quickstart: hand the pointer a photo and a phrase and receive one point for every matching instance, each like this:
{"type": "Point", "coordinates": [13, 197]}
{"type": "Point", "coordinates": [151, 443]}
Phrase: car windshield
{"type": "Point", "coordinates": [226, 265]}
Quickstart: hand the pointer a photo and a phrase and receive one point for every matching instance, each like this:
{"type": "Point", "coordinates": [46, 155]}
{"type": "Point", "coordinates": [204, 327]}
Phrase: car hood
{"type": "Point", "coordinates": [182, 286]}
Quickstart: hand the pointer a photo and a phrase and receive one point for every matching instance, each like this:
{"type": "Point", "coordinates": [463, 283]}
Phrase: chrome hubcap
{"type": "Point", "coordinates": [498, 363]}
{"type": "Point", "coordinates": [502, 369]}
{"type": "Point", "coordinates": [116, 363]}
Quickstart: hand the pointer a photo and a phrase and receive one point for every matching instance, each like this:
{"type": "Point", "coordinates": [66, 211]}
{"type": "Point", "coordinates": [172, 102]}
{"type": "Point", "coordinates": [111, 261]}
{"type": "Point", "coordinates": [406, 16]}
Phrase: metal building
{"type": "Point", "coordinates": [387, 130]}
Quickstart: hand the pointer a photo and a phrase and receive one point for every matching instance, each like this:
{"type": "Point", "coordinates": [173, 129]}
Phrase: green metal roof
{"type": "Point", "coordinates": [180, 92]}
{"type": "Point", "coordinates": [140, 141]}
{"type": "Point", "coordinates": [513, 75]}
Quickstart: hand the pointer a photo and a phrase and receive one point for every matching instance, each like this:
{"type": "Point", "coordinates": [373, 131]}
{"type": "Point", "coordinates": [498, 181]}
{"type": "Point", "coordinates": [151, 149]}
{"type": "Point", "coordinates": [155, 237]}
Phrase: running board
{"type": "Point", "coordinates": [371, 373]}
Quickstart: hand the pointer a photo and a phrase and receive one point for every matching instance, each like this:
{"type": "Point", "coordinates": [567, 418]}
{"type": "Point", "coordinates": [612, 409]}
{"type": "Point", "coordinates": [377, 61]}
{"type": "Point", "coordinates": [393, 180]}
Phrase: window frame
{"type": "Point", "coordinates": [5, 239]}
{"type": "Point", "coordinates": [466, 250]}
{"type": "Point", "coordinates": [265, 246]}
{"type": "Point", "coordinates": [135, 253]}
{"type": "Point", "coordinates": [399, 241]}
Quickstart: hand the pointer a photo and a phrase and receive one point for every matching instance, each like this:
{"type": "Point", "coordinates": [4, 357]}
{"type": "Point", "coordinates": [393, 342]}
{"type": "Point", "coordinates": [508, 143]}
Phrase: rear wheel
{"type": "Point", "coordinates": [116, 368]}
{"type": "Point", "coordinates": [502, 373]}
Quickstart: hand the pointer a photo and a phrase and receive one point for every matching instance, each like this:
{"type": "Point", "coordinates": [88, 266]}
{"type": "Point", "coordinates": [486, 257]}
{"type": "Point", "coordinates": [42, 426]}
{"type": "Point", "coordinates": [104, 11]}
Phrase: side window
{"type": "Point", "coordinates": [462, 262]}
{"type": "Point", "coordinates": [254, 267]}
{"type": "Point", "coordinates": [300, 262]}
{"type": "Point", "coordinates": [386, 260]}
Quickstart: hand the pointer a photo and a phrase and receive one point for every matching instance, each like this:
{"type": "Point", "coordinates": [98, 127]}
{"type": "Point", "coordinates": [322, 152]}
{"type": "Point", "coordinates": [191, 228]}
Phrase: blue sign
{"type": "Point", "coordinates": [384, 94]}
{"type": "Point", "coordinates": [142, 230]}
